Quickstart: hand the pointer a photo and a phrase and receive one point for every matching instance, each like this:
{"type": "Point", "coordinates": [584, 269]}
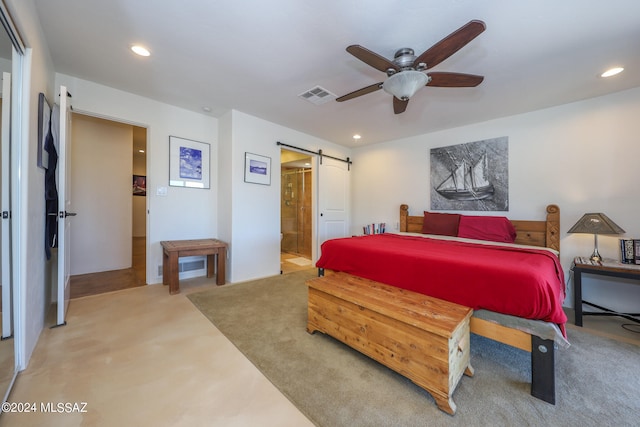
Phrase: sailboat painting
{"type": "Point", "coordinates": [471, 176]}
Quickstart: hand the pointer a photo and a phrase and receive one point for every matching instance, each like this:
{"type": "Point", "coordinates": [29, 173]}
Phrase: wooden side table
{"type": "Point", "coordinates": [609, 268]}
{"type": "Point", "coordinates": [174, 249]}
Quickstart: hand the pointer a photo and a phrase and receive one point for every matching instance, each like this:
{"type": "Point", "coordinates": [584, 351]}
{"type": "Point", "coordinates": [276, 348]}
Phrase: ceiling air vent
{"type": "Point", "coordinates": [318, 95]}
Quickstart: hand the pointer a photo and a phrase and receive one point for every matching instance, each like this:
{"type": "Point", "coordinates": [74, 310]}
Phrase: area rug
{"type": "Point", "coordinates": [597, 379]}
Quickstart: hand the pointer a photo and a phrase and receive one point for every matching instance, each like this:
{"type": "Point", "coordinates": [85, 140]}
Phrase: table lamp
{"type": "Point", "coordinates": [596, 223]}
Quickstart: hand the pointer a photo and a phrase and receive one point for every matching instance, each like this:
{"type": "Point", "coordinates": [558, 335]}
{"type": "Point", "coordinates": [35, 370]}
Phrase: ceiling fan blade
{"type": "Point", "coordinates": [454, 80]}
{"type": "Point", "coordinates": [399, 105]}
{"type": "Point", "coordinates": [365, 90]}
{"type": "Point", "coordinates": [371, 58]}
{"type": "Point", "coordinates": [450, 44]}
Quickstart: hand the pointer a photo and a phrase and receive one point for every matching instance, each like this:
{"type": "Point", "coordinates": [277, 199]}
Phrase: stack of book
{"type": "Point", "coordinates": [586, 261]}
{"type": "Point", "coordinates": [630, 251]}
{"type": "Point", "coordinates": [378, 228]}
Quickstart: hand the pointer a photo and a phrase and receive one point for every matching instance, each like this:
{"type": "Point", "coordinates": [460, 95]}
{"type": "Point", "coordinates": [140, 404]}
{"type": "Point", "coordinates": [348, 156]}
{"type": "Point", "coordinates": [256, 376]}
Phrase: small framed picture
{"type": "Point", "coordinates": [257, 169]}
{"type": "Point", "coordinates": [189, 163]}
{"type": "Point", "coordinates": [139, 185]}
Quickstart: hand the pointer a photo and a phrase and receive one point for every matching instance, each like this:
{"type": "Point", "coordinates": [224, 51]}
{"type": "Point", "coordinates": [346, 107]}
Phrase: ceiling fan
{"type": "Point", "coordinates": [405, 72]}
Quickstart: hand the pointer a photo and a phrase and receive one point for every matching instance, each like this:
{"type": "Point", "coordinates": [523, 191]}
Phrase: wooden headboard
{"type": "Point", "coordinates": [534, 233]}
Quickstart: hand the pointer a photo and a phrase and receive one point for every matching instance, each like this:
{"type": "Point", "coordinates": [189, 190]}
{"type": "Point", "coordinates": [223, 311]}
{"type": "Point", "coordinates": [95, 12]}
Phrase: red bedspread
{"type": "Point", "coordinates": [522, 282]}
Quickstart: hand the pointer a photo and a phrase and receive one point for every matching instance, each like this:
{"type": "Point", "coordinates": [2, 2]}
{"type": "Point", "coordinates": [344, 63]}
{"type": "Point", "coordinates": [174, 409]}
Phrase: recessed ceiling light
{"type": "Point", "coordinates": [140, 50]}
{"type": "Point", "coordinates": [612, 72]}
{"type": "Point", "coordinates": [356, 137]}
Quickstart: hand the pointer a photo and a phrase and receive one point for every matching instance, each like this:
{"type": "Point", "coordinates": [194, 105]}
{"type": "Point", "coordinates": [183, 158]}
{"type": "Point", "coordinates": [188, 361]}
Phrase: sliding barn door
{"type": "Point", "coordinates": [333, 200]}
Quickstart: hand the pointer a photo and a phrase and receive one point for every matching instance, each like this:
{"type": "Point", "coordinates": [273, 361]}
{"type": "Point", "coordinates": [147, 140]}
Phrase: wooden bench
{"type": "Point", "coordinates": [174, 249]}
{"type": "Point", "coordinates": [423, 338]}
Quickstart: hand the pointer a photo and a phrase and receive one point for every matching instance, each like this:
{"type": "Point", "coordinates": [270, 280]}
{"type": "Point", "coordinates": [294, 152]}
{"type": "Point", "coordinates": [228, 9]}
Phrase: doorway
{"type": "Point", "coordinates": [109, 196]}
{"type": "Point", "coordinates": [139, 206]}
{"type": "Point", "coordinates": [295, 211]}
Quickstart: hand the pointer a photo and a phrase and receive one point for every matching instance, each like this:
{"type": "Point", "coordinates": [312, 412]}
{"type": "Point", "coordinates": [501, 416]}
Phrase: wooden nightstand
{"type": "Point", "coordinates": [607, 267]}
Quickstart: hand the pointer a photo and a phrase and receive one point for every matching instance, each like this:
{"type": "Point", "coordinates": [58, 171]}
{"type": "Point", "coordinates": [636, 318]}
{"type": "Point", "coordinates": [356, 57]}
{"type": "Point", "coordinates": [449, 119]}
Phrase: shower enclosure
{"type": "Point", "coordinates": [295, 213]}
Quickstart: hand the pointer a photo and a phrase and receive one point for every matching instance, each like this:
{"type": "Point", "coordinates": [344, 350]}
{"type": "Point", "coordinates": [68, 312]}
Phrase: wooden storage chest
{"type": "Point", "coordinates": [423, 338]}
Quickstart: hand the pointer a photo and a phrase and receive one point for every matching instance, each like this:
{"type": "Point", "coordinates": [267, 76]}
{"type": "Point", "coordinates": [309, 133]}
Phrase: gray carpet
{"type": "Point", "coordinates": [597, 379]}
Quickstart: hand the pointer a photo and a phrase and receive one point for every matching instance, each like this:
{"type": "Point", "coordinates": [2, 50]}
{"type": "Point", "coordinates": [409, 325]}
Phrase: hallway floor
{"type": "Point", "coordinates": [83, 285]}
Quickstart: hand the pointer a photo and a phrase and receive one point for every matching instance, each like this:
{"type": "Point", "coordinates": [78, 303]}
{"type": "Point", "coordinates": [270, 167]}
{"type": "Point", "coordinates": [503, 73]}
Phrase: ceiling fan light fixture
{"type": "Point", "coordinates": [405, 84]}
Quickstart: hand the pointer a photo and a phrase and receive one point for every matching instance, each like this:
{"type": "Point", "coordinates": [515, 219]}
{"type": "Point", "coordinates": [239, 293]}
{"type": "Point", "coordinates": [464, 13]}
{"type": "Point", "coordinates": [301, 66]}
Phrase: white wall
{"type": "Point", "coordinates": [226, 164]}
{"type": "Point", "coordinates": [100, 184]}
{"type": "Point", "coordinates": [30, 264]}
{"type": "Point", "coordinates": [251, 221]}
{"type": "Point", "coordinates": [5, 63]}
{"type": "Point", "coordinates": [582, 156]}
{"type": "Point", "coordinates": [184, 213]}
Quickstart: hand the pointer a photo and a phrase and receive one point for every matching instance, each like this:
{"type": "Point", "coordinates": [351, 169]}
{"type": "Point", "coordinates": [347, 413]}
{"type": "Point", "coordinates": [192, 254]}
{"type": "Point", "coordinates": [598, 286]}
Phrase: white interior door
{"type": "Point", "coordinates": [5, 135]}
{"type": "Point", "coordinates": [64, 200]}
{"type": "Point", "coordinates": [333, 200]}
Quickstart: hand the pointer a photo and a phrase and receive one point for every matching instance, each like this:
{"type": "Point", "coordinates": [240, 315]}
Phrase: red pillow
{"type": "Point", "coordinates": [493, 228]}
{"type": "Point", "coordinates": [443, 224]}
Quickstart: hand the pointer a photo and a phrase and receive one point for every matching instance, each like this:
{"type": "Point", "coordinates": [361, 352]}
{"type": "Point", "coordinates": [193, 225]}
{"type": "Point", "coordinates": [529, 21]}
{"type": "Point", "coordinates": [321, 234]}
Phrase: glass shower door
{"type": "Point", "coordinates": [296, 211]}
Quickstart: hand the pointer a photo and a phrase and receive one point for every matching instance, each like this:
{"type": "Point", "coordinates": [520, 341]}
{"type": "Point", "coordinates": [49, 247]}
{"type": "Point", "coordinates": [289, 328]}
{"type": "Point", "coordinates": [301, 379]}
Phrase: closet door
{"type": "Point", "coordinates": [64, 200]}
{"type": "Point", "coordinates": [5, 185]}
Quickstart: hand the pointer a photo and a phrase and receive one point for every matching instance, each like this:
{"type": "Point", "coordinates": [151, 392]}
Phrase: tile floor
{"type": "Point", "coordinates": [288, 266]}
{"type": "Point", "coordinates": [140, 357]}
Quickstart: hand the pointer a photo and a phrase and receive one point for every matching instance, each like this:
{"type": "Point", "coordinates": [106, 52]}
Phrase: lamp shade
{"type": "Point", "coordinates": [596, 223]}
{"type": "Point", "coordinates": [405, 84]}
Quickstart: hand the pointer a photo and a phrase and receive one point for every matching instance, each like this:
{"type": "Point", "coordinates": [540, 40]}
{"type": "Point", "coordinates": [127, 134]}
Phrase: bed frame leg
{"type": "Point", "coordinates": [320, 272]}
{"type": "Point", "coordinates": [543, 378]}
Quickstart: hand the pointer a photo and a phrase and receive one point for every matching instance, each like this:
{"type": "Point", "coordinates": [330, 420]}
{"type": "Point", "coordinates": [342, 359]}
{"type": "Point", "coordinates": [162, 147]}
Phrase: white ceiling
{"type": "Point", "coordinates": [258, 56]}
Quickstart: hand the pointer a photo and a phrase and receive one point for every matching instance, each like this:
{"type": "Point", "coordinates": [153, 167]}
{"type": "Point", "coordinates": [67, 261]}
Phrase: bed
{"type": "Point", "coordinates": [537, 328]}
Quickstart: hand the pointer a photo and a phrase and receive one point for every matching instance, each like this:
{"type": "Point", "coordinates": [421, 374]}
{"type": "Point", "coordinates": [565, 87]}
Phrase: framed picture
{"type": "Point", "coordinates": [189, 163]}
{"type": "Point", "coordinates": [473, 176]}
{"type": "Point", "coordinates": [257, 169]}
{"type": "Point", "coordinates": [139, 185]}
{"type": "Point", "coordinates": [44, 117]}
